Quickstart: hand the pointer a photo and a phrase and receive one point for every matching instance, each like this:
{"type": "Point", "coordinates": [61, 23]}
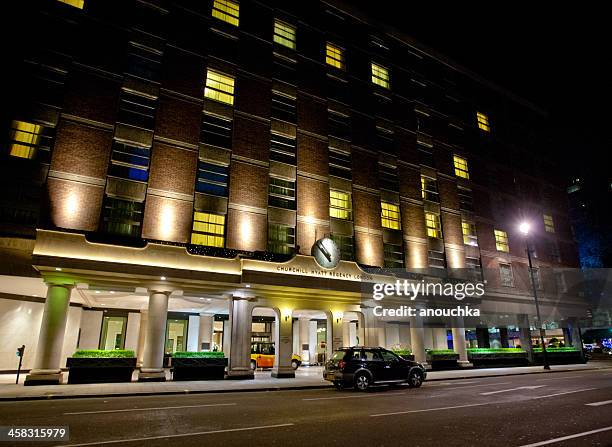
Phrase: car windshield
{"type": "Point", "coordinates": [338, 355]}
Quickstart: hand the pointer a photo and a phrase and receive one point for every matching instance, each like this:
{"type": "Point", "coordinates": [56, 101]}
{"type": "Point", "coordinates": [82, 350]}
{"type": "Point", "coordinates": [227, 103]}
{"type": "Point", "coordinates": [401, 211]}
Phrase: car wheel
{"type": "Point", "coordinates": [294, 364]}
{"type": "Point", "coordinates": [253, 365]}
{"type": "Point", "coordinates": [415, 379]}
{"type": "Point", "coordinates": [362, 381]}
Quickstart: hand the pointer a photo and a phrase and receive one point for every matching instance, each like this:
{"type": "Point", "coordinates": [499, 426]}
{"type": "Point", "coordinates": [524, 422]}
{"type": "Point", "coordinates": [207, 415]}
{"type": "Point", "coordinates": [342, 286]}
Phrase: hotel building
{"type": "Point", "coordinates": [168, 166]}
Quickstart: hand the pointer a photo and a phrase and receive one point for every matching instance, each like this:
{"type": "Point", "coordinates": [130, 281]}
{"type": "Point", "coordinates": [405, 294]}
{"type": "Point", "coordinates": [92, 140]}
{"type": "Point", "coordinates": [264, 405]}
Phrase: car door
{"type": "Point", "coordinates": [394, 368]}
{"type": "Point", "coordinates": [374, 363]}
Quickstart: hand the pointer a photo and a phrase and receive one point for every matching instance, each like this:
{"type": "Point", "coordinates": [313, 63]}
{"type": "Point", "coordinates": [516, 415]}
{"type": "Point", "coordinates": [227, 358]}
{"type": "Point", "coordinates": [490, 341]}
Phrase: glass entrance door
{"type": "Point", "coordinates": [113, 333]}
{"type": "Point", "coordinates": [176, 336]}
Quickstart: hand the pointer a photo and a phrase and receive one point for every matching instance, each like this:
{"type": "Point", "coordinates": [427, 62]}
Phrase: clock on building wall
{"type": "Point", "coordinates": [326, 253]}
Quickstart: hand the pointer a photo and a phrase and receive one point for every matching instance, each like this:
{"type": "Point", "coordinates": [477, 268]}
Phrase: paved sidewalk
{"type": "Point", "coordinates": [306, 378]}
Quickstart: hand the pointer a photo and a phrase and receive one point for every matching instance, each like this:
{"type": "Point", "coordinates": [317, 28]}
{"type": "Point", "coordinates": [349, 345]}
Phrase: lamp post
{"type": "Point", "coordinates": [524, 228]}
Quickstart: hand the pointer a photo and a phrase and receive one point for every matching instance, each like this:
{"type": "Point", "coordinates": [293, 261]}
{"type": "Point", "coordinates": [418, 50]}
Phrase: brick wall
{"type": "Point", "coordinates": [178, 119]}
{"type": "Point", "coordinates": [73, 205]}
{"type": "Point", "coordinates": [167, 219]}
{"type": "Point", "coordinates": [173, 169]}
{"type": "Point", "coordinates": [246, 231]}
{"type": "Point", "coordinates": [91, 96]}
{"type": "Point", "coordinates": [251, 139]}
{"type": "Point", "coordinates": [248, 184]}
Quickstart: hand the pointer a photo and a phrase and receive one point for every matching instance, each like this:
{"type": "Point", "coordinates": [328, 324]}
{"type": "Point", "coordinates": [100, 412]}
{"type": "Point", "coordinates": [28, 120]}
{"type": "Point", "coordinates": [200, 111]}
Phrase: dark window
{"type": "Point", "coordinates": [212, 179]}
{"type": "Point", "coordinates": [129, 162]}
{"type": "Point", "coordinates": [122, 217]}
{"type": "Point", "coordinates": [388, 177]}
{"type": "Point", "coordinates": [340, 164]}
{"type": "Point", "coordinates": [339, 125]}
{"type": "Point", "coordinates": [466, 202]}
{"type": "Point", "coordinates": [345, 245]}
{"type": "Point", "coordinates": [136, 110]}
{"type": "Point", "coordinates": [436, 259]}
{"type": "Point", "coordinates": [384, 140]}
{"type": "Point", "coordinates": [216, 131]}
{"type": "Point", "coordinates": [282, 193]}
{"type": "Point", "coordinates": [394, 256]}
{"type": "Point", "coordinates": [474, 268]}
{"type": "Point", "coordinates": [553, 250]}
{"type": "Point", "coordinates": [281, 239]}
{"type": "Point", "coordinates": [284, 70]}
{"type": "Point", "coordinates": [426, 156]}
{"type": "Point", "coordinates": [143, 62]}
{"type": "Point", "coordinates": [429, 189]}
{"type": "Point", "coordinates": [282, 149]}
{"type": "Point", "coordinates": [283, 107]}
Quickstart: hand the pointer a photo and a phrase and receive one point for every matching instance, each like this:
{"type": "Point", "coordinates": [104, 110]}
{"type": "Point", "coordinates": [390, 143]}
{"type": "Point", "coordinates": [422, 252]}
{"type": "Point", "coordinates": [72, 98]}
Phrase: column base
{"type": "Point", "coordinates": [240, 374]}
{"type": "Point", "coordinates": [283, 373]}
{"type": "Point", "coordinates": [152, 375]}
{"type": "Point", "coordinates": [464, 364]}
{"type": "Point", "coordinates": [44, 377]}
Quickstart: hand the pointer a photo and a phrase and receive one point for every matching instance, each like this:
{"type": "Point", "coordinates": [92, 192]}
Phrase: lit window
{"type": "Point", "coordinates": [429, 189]}
{"type": "Point", "coordinates": [340, 205]}
{"type": "Point", "coordinates": [334, 56]}
{"type": "Point", "coordinates": [549, 225]}
{"type": "Point", "coordinates": [281, 239]}
{"type": "Point", "coordinates": [469, 233]}
{"type": "Point", "coordinates": [501, 240]}
{"type": "Point", "coordinates": [76, 3]}
{"type": "Point", "coordinates": [380, 75]}
{"type": "Point", "coordinates": [284, 34]}
{"type": "Point", "coordinates": [390, 216]}
{"type": "Point", "coordinates": [208, 229]}
{"type": "Point", "coordinates": [432, 223]}
{"type": "Point", "coordinates": [461, 167]}
{"type": "Point", "coordinates": [506, 277]}
{"type": "Point", "coordinates": [281, 193]}
{"type": "Point", "coordinates": [219, 87]}
{"type": "Point", "coordinates": [483, 122]}
{"type": "Point", "coordinates": [25, 139]}
{"type": "Point", "coordinates": [226, 10]}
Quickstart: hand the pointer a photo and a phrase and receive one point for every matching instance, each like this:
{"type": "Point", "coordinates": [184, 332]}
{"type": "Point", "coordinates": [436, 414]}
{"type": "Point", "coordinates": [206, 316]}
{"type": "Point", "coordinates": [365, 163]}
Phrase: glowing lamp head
{"type": "Point", "coordinates": [524, 228]}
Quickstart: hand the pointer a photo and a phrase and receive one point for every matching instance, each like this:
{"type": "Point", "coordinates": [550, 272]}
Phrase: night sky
{"type": "Point", "coordinates": [561, 60]}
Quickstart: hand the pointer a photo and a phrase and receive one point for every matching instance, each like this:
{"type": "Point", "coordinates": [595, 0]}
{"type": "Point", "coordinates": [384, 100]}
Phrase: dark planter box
{"type": "Point", "coordinates": [443, 361]}
{"type": "Point", "coordinates": [559, 358]}
{"type": "Point", "coordinates": [498, 360]}
{"type": "Point", "coordinates": [198, 368]}
{"type": "Point", "coordinates": [100, 370]}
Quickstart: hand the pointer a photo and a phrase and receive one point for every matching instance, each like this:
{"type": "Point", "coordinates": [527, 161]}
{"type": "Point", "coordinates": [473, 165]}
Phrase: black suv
{"type": "Point", "coordinates": [361, 367]}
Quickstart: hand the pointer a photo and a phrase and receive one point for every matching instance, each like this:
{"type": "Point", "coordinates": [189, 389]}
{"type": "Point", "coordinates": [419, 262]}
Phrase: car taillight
{"type": "Point", "coordinates": [341, 364]}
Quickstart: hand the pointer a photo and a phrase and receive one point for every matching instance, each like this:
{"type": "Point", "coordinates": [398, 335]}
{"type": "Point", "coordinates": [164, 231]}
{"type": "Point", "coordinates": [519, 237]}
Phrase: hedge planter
{"type": "Point", "coordinates": [442, 359]}
{"type": "Point", "coordinates": [489, 358]}
{"type": "Point", "coordinates": [101, 366]}
{"type": "Point", "coordinates": [558, 356]}
{"type": "Point", "coordinates": [198, 366]}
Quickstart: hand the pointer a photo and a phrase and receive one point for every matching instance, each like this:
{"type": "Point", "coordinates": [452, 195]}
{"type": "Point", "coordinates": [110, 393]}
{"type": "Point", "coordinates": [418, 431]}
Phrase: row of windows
{"type": "Point", "coordinates": [506, 277]}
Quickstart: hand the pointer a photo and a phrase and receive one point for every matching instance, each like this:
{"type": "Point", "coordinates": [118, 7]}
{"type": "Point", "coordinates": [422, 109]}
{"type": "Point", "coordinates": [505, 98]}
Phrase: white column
{"type": "Point", "coordinates": [346, 332]}
{"type": "Point", "coordinates": [428, 338]}
{"type": "Point", "coordinates": [459, 344]}
{"type": "Point", "coordinates": [440, 338]}
{"type": "Point", "coordinates": [152, 368]}
{"type": "Point", "coordinates": [47, 368]}
{"type": "Point", "coordinates": [574, 331]}
{"type": "Point", "coordinates": [144, 320]}
{"type": "Point", "coordinates": [360, 329]}
{"type": "Point", "coordinates": [391, 335]}
{"type": "Point", "coordinates": [334, 333]}
{"type": "Point", "coordinates": [282, 368]}
{"type": "Point", "coordinates": [313, 341]}
{"type": "Point", "coordinates": [304, 340]}
{"type": "Point", "coordinates": [417, 339]}
{"type": "Point", "coordinates": [525, 335]}
{"type": "Point", "coordinates": [240, 345]}
{"type": "Point", "coordinates": [205, 332]}
{"type": "Point", "coordinates": [193, 333]}
{"type": "Point", "coordinates": [374, 329]}
{"type": "Point", "coordinates": [132, 331]}
{"type": "Point", "coordinates": [353, 333]}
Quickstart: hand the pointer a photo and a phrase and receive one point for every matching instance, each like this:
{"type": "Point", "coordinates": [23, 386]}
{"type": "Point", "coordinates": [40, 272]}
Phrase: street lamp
{"type": "Point", "coordinates": [524, 228]}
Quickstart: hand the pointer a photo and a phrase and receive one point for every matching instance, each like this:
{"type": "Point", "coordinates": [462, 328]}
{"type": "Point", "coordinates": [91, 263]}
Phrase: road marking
{"type": "Point", "coordinates": [430, 409]}
{"type": "Point", "coordinates": [451, 383]}
{"type": "Point", "coordinates": [181, 435]}
{"type": "Point", "coordinates": [559, 378]}
{"type": "Point", "coordinates": [565, 392]}
{"type": "Point", "coordinates": [532, 387]}
{"type": "Point", "coordinates": [565, 438]}
{"type": "Point", "coordinates": [597, 404]}
{"type": "Point", "coordinates": [355, 397]}
{"type": "Point", "coordinates": [474, 386]}
{"type": "Point", "coordinates": [148, 409]}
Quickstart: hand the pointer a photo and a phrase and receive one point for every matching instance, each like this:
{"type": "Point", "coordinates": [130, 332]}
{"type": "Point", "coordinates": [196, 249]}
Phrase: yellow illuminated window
{"type": "Point", "coordinates": [334, 56]}
{"type": "Point", "coordinates": [432, 223]}
{"type": "Point", "coordinates": [469, 233]}
{"type": "Point", "coordinates": [483, 122]}
{"type": "Point", "coordinates": [501, 241]}
{"type": "Point", "coordinates": [76, 3]}
{"type": "Point", "coordinates": [25, 137]}
{"type": "Point", "coordinates": [390, 216]}
{"type": "Point", "coordinates": [284, 34]}
{"type": "Point", "coordinates": [208, 229]}
{"type": "Point", "coordinates": [380, 75]}
{"type": "Point", "coordinates": [340, 205]}
{"type": "Point", "coordinates": [219, 87]}
{"type": "Point", "coordinates": [461, 167]}
{"type": "Point", "coordinates": [549, 225]}
{"type": "Point", "coordinates": [226, 10]}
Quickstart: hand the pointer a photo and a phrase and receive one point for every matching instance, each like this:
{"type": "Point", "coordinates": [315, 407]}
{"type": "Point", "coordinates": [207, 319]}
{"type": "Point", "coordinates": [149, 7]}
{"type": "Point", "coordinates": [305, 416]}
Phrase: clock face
{"type": "Point", "coordinates": [326, 253]}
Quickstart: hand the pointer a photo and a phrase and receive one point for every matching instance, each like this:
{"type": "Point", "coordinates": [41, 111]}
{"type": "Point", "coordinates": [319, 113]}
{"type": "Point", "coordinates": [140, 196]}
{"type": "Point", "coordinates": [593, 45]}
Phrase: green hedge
{"type": "Point", "coordinates": [565, 349]}
{"type": "Point", "coordinates": [198, 355]}
{"type": "Point", "coordinates": [101, 353]}
{"type": "Point", "coordinates": [440, 352]}
{"type": "Point", "coordinates": [493, 351]}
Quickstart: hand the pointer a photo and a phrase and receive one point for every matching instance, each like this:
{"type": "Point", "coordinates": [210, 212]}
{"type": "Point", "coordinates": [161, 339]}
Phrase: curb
{"type": "Point", "coordinates": [265, 389]}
